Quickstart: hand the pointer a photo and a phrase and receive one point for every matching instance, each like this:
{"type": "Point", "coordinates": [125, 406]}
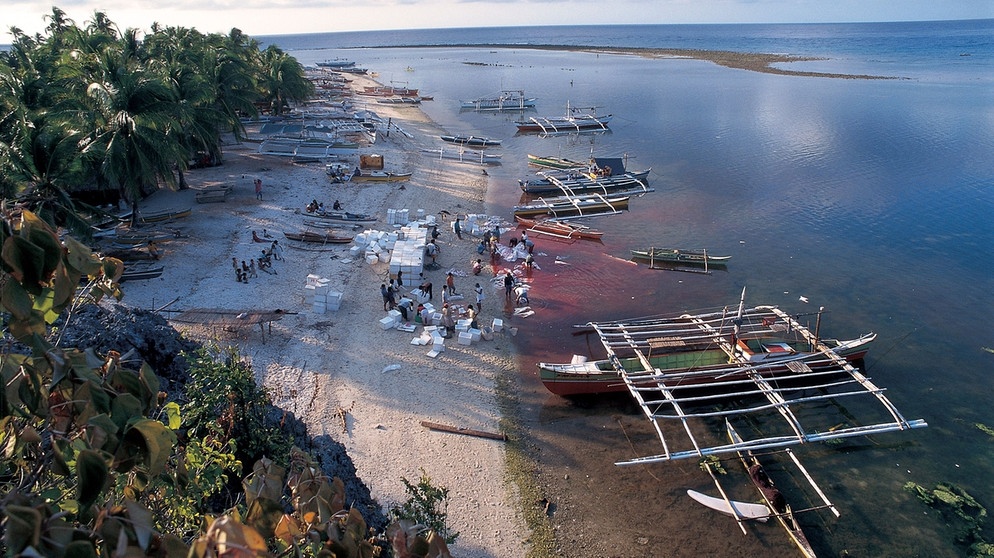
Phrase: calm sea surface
{"type": "Point", "coordinates": [872, 198]}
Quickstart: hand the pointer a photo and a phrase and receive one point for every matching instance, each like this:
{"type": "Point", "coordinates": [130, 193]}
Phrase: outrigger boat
{"type": "Point", "coordinates": [474, 141]}
{"type": "Point", "coordinates": [678, 255]}
{"type": "Point", "coordinates": [699, 360]}
{"type": "Point", "coordinates": [573, 206]}
{"type": "Point", "coordinates": [560, 229]}
{"type": "Point", "coordinates": [575, 120]}
{"type": "Point", "coordinates": [461, 155]}
{"type": "Point", "coordinates": [503, 101]}
{"type": "Point", "coordinates": [580, 182]}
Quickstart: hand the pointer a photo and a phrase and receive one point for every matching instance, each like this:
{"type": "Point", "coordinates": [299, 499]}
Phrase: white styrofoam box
{"type": "Point", "coordinates": [372, 258]}
{"type": "Point", "coordinates": [391, 216]}
{"type": "Point", "coordinates": [384, 257]}
{"type": "Point", "coordinates": [313, 279]}
{"type": "Point", "coordinates": [420, 213]}
{"type": "Point", "coordinates": [395, 314]}
{"type": "Point", "coordinates": [319, 308]}
{"type": "Point", "coordinates": [438, 340]}
{"type": "Point", "coordinates": [360, 239]}
{"type": "Point", "coordinates": [474, 333]}
{"type": "Point", "coordinates": [321, 288]}
{"type": "Point", "coordinates": [462, 325]}
{"type": "Point", "coordinates": [430, 307]}
{"type": "Point", "coordinates": [322, 298]}
{"type": "Point", "coordinates": [388, 323]}
{"type": "Point", "coordinates": [465, 338]}
{"type": "Point", "coordinates": [436, 318]}
{"type": "Point", "coordinates": [498, 325]}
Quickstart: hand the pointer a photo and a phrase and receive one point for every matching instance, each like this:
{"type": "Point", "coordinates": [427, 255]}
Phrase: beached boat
{"type": "Point", "coordinates": [317, 238]}
{"type": "Point", "coordinates": [559, 228]}
{"type": "Point", "coordinates": [696, 257]}
{"type": "Point", "coordinates": [473, 141]}
{"type": "Point", "coordinates": [388, 91]}
{"type": "Point", "coordinates": [461, 155]}
{"type": "Point", "coordinates": [503, 101]}
{"type": "Point", "coordinates": [380, 176]}
{"type": "Point", "coordinates": [693, 350]}
{"type": "Point", "coordinates": [141, 271]}
{"type": "Point", "coordinates": [572, 206]}
{"type": "Point", "coordinates": [344, 216]}
{"type": "Point", "coordinates": [353, 70]}
{"type": "Point", "coordinates": [163, 216]}
{"type": "Point", "coordinates": [576, 119]}
{"type": "Point", "coordinates": [774, 499]}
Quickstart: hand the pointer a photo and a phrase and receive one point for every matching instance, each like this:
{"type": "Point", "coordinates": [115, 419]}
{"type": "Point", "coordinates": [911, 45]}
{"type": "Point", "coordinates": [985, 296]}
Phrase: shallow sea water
{"type": "Point", "coordinates": [872, 198]}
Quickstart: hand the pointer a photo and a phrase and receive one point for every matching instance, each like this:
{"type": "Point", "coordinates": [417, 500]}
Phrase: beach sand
{"type": "Point", "coordinates": [339, 372]}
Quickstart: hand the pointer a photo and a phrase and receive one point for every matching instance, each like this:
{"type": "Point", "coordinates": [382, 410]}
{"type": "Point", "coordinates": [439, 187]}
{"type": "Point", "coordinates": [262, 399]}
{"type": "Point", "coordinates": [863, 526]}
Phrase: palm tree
{"type": "Point", "coordinates": [283, 80]}
{"type": "Point", "coordinates": [135, 111]}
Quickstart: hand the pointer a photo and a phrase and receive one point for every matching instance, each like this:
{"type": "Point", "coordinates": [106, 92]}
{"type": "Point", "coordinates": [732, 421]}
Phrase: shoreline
{"type": "Point", "coordinates": [339, 372]}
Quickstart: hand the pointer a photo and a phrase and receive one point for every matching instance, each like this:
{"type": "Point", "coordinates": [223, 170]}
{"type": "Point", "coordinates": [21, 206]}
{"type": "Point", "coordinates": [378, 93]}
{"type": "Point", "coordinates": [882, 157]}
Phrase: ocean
{"type": "Point", "coordinates": [871, 198]}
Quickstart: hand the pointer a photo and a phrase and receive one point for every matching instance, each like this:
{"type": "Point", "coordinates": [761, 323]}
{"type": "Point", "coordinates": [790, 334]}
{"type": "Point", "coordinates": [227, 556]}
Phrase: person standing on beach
{"type": "Point", "coordinates": [457, 227]}
{"type": "Point", "coordinates": [450, 283]}
{"type": "Point", "coordinates": [277, 251]}
{"type": "Point", "coordinates": [400, 280]}
{"type": "Point", "coordinates": [258, 189]}
{"type": "Point", "coordinates": [479, 297]}
{"type": "Point", "coordinates": [508, 284]}
{"type": "Point", "coordinates": [385, 294]}
{"type": "Point", "coordinates": [252, 272]}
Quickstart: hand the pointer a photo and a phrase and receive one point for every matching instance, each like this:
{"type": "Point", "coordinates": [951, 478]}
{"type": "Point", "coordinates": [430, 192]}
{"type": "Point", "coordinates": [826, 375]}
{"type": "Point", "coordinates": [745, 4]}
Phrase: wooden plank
{"type": "Point", "coordinates": [467, 431]}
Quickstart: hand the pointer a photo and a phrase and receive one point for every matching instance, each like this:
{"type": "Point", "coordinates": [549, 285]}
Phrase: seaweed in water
{"type": "Point", "coordinates": [952, 500]}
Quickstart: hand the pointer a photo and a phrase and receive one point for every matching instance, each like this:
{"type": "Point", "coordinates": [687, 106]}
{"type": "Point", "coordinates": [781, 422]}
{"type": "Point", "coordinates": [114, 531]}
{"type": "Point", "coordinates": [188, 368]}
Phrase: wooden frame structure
{"type": "Point", "coordinates": [685, 407]}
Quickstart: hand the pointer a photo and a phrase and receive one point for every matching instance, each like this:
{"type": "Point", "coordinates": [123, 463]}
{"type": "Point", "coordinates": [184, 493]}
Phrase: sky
{"type": "Point", "coordinates": [281, 17]}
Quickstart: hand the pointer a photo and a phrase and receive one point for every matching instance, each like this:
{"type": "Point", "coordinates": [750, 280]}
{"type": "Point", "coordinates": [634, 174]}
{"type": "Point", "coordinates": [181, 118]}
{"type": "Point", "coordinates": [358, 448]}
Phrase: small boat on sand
{"type": "Point", "coordinates": [344, 216]}
{"type": "Point", "coordinates": [163, 216]}
{"type": "Point", "coordinates": [318, 238]}
{"type": "Point", "coordinates": [380, 176]}
{"type": "Point", "coordinates": [141, 271]}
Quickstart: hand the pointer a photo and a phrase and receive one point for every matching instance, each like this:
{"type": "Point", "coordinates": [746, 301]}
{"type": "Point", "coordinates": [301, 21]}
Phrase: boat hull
{"type": "Point", "coordinates": [600, 376]}
{"type": "Point", "coordinates": [381, 177]}
{"type": "Point", "coordinates": [559, 229]}
{"type": "Point", "coordinates": [676, 255]}
{"type": "Point", "coordinates": [318, 238]}
{"type": "Point", "coordinates": [584, 207]}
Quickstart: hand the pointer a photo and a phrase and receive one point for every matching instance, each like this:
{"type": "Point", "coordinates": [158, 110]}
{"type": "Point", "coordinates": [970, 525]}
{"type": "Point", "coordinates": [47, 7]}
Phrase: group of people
{"type": "Point", "coordinates": [318, 207]}
{"type": "Point", "coordinates": [247, 270]}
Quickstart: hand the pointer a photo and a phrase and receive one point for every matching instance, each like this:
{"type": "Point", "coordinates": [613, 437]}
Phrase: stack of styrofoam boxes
{"type": "Point", "coordinates": [391, 321]}
{"type": "Point", "coordinates": [319, 295]}
{"type": "Point", "coordinates": [475, 224]}
{"type": "Point", "coordinates": [465, 337]}
{"type": "Point", "coordinates": [398, 217]}
{"type": "Point", "coordinates": [409, 252]}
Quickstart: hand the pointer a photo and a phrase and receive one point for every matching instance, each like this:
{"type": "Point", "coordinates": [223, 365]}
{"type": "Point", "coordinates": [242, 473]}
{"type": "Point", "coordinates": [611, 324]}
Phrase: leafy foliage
{"type": "Point", "coordinates": [426, 506]}
{"type": "Point", "coordinates": [223, 392]}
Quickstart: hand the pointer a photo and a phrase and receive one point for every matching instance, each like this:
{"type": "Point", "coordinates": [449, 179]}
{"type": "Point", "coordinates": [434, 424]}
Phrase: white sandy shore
{"type": "Point", "coordinates": [323, 367]}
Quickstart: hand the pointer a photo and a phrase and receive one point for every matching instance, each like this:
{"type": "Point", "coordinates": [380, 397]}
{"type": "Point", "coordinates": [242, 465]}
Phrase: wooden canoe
{"type": "Point", "coordinates": [163, 216]}
{"type": "Point", "coordinates": [380, 176]}
{"type": "Point", "coordinates": [316, 238]}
